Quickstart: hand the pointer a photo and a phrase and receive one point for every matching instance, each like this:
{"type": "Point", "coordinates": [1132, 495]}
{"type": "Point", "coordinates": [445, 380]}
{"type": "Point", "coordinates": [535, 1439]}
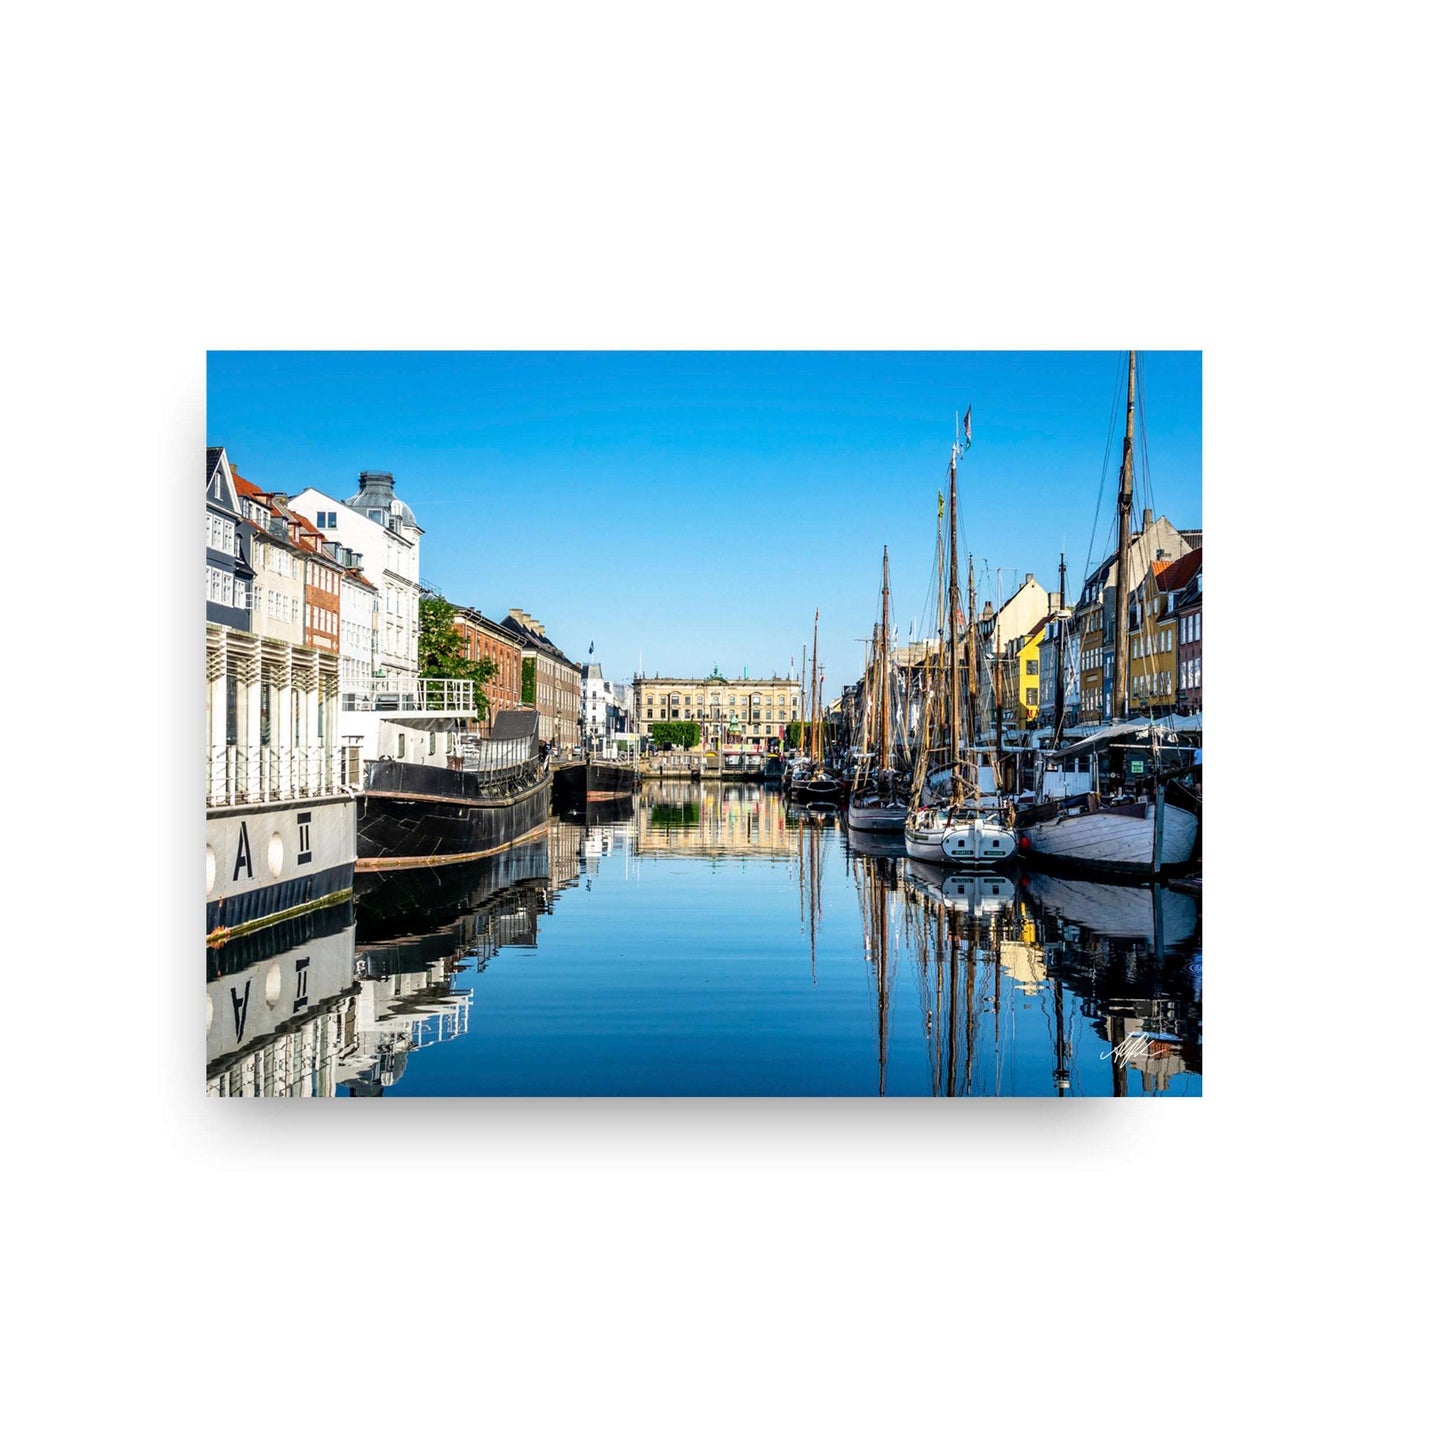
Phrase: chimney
{"type": "Point", "coordinates": [1148, 516]}
{"type": "Point", "coordinates": [1028, 577]}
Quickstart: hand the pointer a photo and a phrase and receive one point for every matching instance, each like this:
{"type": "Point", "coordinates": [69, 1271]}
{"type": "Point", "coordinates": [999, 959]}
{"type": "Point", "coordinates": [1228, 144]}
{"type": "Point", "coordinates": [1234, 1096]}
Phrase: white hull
{"type": "Point", "coordinates": [877, 817]}
{"type": "Point", "coordinates": [1112, 839]}
{"type": "Point", "coordinates": [939, 835]}
{"type": "Point", "coordinates": [270, 860]}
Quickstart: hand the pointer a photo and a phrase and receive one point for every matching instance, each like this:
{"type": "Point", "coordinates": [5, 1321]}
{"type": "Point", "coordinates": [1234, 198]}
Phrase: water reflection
{"type": "Point", "coordinates": [1100, 982]}
{"type": "Point", "coordinates": [714, 938]}
{"type": "Point", "coordinates": [710, 819]}
{"type": "Point", "coordinates": [337, 1002]}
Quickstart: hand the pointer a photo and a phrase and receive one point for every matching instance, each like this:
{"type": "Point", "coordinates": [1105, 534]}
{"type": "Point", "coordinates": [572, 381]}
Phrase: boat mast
{"type": "Point", "coordinates": [970, 717]}
{"type": "Point", "coordinates": [955, 705]}
{"type": "Point", "coordinates": [817, 755]}
{"type": "Point", "coordinates": [885, 755]}
{"type": "Point", "coordinates": [1121, 584]}
{"type": "Point", "coordinates": [997, 704]}
{"type": "Point", "coordinates": [932, 674]}
{"type": "Point", "coordinates": [805, 733]}
{"type": "Point", "coordinates": [1060, 654]}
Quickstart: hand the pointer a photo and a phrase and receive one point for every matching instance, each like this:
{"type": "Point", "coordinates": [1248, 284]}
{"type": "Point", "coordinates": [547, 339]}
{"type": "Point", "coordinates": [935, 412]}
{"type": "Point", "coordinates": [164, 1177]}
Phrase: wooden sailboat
{"type": "Point", "coordinates": [878, 799]}
{"type": "Point", "coordinates": [816, 784]}
{"type": "Point", "coordinates": [949, 820]}
{"type": "Point", "coordinates": [1136, 827]}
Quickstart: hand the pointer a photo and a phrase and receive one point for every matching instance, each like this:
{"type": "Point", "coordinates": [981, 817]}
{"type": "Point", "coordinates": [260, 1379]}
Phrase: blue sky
{"type": "Point", "coordinates": [693, 508]}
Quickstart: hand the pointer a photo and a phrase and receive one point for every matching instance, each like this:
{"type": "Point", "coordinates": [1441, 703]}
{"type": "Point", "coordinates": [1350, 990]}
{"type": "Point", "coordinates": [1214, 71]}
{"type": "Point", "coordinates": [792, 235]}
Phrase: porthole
{"type": "Point", "coordinates": [276, 855]}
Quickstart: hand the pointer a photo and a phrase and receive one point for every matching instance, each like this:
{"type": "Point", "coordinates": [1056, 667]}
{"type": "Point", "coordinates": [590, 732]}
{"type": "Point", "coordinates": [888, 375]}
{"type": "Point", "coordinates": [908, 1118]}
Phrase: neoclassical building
{"type": "Point", "coordinates": [748, 714]}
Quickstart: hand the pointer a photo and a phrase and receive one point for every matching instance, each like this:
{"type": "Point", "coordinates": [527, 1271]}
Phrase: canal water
{"type": "Point", "coordinates": [710, 939]}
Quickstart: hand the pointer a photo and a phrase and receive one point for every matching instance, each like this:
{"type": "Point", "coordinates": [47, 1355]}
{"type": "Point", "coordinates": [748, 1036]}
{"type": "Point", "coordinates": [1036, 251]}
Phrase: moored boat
{"type": "Point", "coordinates": [950, 819]}
{"type": "Point", "coordinates": [490, 794]}
{"type": "Point", "coordinates": [1136, 817]}
{"type": "Point", "coordinates": [878, 798]}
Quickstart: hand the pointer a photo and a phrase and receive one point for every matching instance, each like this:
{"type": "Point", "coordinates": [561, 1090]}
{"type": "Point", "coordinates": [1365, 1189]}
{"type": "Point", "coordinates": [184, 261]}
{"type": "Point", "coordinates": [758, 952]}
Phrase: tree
{"type": "Point", "coordinates": [529, 682]}
{"type": "Point", "coordinates": [683, 734]}
{"type": "Point", "coordinates": [440, 653]}
{"type": "Point", "coordinates": [795, 734]}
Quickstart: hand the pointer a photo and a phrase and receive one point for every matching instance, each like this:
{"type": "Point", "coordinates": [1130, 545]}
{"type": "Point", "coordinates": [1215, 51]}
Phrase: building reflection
{"type": "Point", "coordinates": [606, 826]}
{"type": "Point", "coordinates": [712, 819]}
{"type": "Point", "coordinates": [320, 1008]}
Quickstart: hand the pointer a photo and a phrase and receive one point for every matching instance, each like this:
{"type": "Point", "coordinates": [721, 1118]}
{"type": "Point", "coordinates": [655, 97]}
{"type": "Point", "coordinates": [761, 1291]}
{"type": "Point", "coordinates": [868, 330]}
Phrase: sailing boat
{"type": "Point", "coordinates": [816, 784]}
{"type": "Point", "coordinates": [949, 820]}
{"type": "Point", "coordinates": [878, 801]}
{"type": "Point", "coordinates": [1133, 827]}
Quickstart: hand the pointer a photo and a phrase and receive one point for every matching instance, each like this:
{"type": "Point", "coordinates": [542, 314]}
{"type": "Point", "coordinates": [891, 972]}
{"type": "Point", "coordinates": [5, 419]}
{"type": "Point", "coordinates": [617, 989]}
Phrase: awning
{"type": "Point", "coordinates": [1169, 730]}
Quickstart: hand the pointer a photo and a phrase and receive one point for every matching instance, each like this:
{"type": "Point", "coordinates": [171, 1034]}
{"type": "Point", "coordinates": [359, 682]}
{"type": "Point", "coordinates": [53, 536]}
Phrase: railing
{"type": "Point", "coordinates": [422, 694]}
{"type": "Point", "coordinates": [271, 775]}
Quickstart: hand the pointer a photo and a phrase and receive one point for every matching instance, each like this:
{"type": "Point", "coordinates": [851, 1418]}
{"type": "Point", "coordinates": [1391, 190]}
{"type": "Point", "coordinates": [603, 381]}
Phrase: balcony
{"type": "Point", "coordinates": [273, 774]}
{"type": "Point", "coordinates": [414, 697]}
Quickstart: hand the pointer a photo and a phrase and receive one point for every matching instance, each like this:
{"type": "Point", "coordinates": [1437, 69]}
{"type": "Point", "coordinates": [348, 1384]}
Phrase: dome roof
{"type": "Point", "coordinates": [378, 489]}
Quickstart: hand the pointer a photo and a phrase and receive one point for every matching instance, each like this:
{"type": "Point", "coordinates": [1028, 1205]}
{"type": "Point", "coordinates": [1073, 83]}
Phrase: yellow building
{"type": "Point", "coordinates": [1153, 646]}
{"type": "Point", "coordinates": [1021, 677]}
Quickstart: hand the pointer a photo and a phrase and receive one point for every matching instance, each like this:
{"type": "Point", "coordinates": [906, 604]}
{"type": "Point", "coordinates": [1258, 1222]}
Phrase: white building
{"type": "Point", "coordinates": [379, 527]}
{"type": "Point", "coordinates": [360, 613]}
{"type": "Point", "coordinates": [607, 716]}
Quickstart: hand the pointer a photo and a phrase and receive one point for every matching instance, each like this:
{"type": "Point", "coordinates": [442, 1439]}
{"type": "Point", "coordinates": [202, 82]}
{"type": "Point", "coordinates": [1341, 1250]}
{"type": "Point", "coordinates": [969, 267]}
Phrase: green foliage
{"type": "Point", "coordinates": [441, 652]}
{"type": "Point", "coordinates": [683, 734]}
{"type": "Point", "coordinates": [795, 735]}
{"type": "Point", "coordinates": [529, 682]}
{"type": "Point", "coordinates": [664, 815]}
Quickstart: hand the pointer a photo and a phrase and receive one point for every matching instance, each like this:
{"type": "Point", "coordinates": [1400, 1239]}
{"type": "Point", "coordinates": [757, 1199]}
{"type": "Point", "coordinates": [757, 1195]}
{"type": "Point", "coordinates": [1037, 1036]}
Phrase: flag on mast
{"type": "Point", "coordinates": [968, 427]}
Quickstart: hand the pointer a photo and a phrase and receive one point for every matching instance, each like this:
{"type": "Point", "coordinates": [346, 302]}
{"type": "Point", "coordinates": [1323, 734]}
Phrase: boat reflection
{"type": "Point", "coordinates": [1132, 955]}
{"type": "Point", "coordinates": [312, 1008]}
{"type": "Point", "coordinates": [280, 1006]}
{"type": "Point", "coordinates": [1156, 913]}
{"type": "Point", "coordinates": [1097, 983]}
{"type": "Point", "coordinates": [953, 888]}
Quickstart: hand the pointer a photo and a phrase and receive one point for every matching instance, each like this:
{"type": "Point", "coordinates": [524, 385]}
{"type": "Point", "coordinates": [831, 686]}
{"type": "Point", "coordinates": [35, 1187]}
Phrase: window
{"type": "Point", "coordinates": [326, 519]}
{"type": "Point", "coordinates": [220, 533]}
{"type": "Point", "coordinates": [1031, 667]}
{"type": "Point", "coordinates": [220, 587]}
{"type": "Point", "coordinates": [1033, 697]}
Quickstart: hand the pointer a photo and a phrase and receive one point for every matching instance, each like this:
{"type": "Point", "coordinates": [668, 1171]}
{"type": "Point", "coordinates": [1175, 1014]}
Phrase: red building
{"type": "Point", "coordinates": [484, 639]}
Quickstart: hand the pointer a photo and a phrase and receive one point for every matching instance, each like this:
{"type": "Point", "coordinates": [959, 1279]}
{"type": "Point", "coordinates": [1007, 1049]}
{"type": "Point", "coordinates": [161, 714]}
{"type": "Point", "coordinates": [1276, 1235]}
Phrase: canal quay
{"type": "Point", "coordinates": [711, 938]}
{"type": "Point", "coordinates": [946, 843]}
